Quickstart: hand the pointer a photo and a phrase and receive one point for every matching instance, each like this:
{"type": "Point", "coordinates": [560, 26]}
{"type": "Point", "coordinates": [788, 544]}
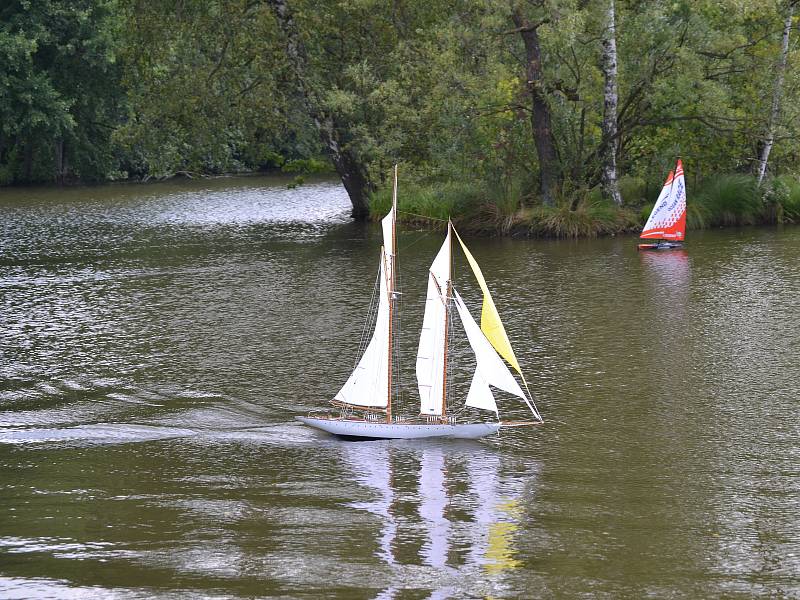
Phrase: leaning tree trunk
{"type": "Point", "coordinates": [351, 171]}
{"type": "Point", "coordinates": [610, 98]}
{"type": "Point", "coordinates": [776, 94]}
{"type": "Point", "coordinates": [540, 115]}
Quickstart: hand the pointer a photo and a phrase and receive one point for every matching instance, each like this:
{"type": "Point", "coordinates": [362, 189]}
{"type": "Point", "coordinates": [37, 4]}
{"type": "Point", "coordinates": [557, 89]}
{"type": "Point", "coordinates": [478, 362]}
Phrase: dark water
{"type": "Point", "coordinates": [156, 341]}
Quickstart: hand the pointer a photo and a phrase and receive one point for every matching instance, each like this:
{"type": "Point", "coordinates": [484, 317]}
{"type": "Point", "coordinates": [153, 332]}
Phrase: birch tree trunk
{"type": "Point", "coordinates": [541, 121]}
{"type": "Point", "coordinates": [350, 170]}
{"type": "Point", "coordinates": [610, 100]}
{"type": "Point", "coordinates": [769, 141]}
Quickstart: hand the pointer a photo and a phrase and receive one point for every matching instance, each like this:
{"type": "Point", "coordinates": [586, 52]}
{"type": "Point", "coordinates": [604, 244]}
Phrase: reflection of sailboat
{"type": "Point", "coordinates": [483, 518]}
{"type": "Point", "coordinates": [496, 514]}
{"type": "Point", "coordinates": [667, 221]}
{"type": "Point", "coordinates": [433, 500]}
{"type": "Point", "coordinates": [365, 400]}
{"type": "Point", "coordinates": [375, 474]}
{"type": "Point", "coordinates": [669, 275]}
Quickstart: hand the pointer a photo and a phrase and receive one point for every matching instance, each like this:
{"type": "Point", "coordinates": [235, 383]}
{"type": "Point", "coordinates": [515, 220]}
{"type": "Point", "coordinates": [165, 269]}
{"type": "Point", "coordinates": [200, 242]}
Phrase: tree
{"type": "Point", "coordinates": [610, 99]}
{"type": "Point", "coordinates": [202, 82]}
{"type": "Point", "coordinates": [541, 121]}
{"type": "Point", "coordinates": [60, 95]}
{"type": "Point", "coordinates": [777, 92]}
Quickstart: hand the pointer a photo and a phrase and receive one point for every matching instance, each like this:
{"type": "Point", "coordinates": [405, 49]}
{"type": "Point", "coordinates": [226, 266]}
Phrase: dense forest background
{"type": "Point", "coordinates": [509, 111]}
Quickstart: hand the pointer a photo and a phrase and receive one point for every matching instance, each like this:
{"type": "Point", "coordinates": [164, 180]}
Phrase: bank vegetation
{"type": "Point", "coordinates": [549, 117]}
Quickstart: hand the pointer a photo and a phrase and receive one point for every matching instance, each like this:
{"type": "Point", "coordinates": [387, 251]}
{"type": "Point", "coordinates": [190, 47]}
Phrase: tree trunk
{"type": "Point", "coordinates": [610, 99]}
{"type": "Point", "coordinates": [769, 140]}
{"type": "Point", "coordinates": [549, 172]}
{"type": "Point", "coordinates": [352, 172]}
{"type": "Point", "coordinates": [59, 166]}
{"type": "Point", "coordinates": [27, 165]}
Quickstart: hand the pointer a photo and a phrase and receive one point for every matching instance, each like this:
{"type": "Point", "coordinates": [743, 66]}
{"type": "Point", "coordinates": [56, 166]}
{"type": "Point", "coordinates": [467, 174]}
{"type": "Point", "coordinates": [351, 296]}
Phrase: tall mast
{"type": "Point", "coordinates": [447, 316]}
{"type": "Point", "coordinates": [390, 288]}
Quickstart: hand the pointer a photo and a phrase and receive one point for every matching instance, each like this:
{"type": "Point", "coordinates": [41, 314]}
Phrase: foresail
{"type": "Point", "coordinates": [491, 325]}
{"type": "Point", "coordinates": [490, 368]}
{"type": "Point", "coordinates": [430, 354]}
{"type": "Point", "coordinates": [667, 221]}
{"type": "Point", "coordinates": [369, 383]}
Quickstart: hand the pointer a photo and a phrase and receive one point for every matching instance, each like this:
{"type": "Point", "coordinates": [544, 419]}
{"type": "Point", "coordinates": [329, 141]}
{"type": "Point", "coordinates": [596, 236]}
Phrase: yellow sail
{"type": "Point", "coordinates": [491, 325]}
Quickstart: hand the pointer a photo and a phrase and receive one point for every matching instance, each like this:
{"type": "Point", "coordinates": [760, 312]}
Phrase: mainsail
{"type": "Point", "coordinates": [369, 383]}
{"type": "Point", "coordinates": [490, 368]}
{"type": "Point", "coordinates": [668, 219]}
{"type": "Point", "coordinates": [430, 354]}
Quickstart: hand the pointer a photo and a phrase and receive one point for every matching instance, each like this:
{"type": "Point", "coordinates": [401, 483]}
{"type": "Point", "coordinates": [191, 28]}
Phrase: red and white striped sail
{"type": "Point", "coordinates": [668, 219]}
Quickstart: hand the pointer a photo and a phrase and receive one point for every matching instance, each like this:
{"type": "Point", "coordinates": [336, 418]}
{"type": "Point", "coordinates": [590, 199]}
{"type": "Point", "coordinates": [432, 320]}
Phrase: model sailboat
{"type": "Point", "coordinates": [667, 222]}
{"type": "Point", "coordinates": [365, 402]}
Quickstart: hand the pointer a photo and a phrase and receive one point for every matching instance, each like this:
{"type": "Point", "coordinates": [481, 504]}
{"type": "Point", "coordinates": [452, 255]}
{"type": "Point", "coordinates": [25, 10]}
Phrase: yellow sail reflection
{"type": "Point", "coordinates": [500, 552]}
{"type": "Point", "coordinates": [491, 325]}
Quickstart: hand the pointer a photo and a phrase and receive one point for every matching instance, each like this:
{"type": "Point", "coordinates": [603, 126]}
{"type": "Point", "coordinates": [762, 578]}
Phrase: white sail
{"type": "Point", "coordinates": [490, 368]}
{"type": "Point", "coordinates": [369, 383]}
{"type": "Point", "coordinates": [430, 354]}
{"type": "Point", "coordinates": [389, 222]}
{"type": "Point", "coordinates": [667, 220]}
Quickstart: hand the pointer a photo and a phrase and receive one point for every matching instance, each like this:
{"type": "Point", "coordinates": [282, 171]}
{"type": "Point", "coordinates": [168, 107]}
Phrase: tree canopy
{"type": "Point", "coordinates": [456, 90]}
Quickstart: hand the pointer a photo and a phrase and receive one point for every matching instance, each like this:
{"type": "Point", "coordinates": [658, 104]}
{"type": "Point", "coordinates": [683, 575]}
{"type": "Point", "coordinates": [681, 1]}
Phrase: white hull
{"type": "Point", "coordinates": [401, 431]}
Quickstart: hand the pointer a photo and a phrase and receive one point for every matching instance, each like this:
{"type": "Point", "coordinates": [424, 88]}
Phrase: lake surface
{"type": "Point", "coordinates": [156, 342]}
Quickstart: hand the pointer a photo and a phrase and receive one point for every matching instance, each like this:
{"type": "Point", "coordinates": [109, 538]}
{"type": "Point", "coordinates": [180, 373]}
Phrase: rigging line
{"type": "Point", "coordinates": [450, 363]}
{"type": "Point", "coordinates": [371, 312]}
{"type": "Point", "coordinates": [396, 341]}
{"type": "Point", "coordinates": [423, 235]}
{"type": "Point", "coordinates": [423, 216]}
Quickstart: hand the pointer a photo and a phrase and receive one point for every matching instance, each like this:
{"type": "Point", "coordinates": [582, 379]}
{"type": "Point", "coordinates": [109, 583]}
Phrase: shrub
{"type": "Point", "coordinates": [306, 165]}
{"type": "Point", "coordinates": [783, 194]}
{"type": "Point", "coordinates": [633, 190]}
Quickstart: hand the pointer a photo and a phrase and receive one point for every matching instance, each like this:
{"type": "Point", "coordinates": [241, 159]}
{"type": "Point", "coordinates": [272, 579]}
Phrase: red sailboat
{"type": "Point", "coordinates": [667, 222]}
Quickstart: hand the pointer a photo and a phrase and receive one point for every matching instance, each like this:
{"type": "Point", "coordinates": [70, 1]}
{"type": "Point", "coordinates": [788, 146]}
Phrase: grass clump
{"type": "Point", "coordinates": [633, 190]}
{"type": "Point", "coordinates": [430, 204]}
{"type": "Point", "coordinates": [782, 199]}
{"type": "Point", "coordinates": [587, 217]}
{"type": "Point", "coordinates": [727, 200]}
{"type": "Point", "coordinates": [722, 200]}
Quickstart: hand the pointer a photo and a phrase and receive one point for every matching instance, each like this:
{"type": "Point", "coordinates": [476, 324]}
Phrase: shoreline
{"type": "Point", "coordinates": [726, 201]}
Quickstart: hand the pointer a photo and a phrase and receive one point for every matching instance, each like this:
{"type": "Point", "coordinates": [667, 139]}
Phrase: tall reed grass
{"type": "Point", "coordinates": [417, 203]}
{"type": "Point", "coordinates": [727, 200]}
{"type": "Point", "coordinates": [722, 200]}
{"type": "Point", "coordinates": [587, 217]}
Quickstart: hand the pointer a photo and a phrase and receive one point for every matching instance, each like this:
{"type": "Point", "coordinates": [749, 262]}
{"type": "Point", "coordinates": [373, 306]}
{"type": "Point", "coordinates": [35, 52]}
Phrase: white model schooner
{"type": "Point", "coordinates": [365, 400]}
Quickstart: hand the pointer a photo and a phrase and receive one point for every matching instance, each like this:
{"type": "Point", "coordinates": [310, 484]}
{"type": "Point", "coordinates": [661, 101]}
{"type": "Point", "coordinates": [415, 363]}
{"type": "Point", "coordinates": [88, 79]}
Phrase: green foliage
{"type": "Point", "coordinates": [588, 218]}
{"type": "Point", "coordinates": [430, 204]}
{"type": "Point", "coordinates": [633, 190]}
{"type": "Point", "coordinates": [782, 199]}
{"type": "Point", "coordinates": [697, 215]}
{"type": "Point", "coordinates": [60, 93]}
{"type": "Point", "coordinates": [306, 165]}
{"type": "Point", "coordinates": [149, 89]}
{"type": "Point", "coordinates": [729, 200]}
